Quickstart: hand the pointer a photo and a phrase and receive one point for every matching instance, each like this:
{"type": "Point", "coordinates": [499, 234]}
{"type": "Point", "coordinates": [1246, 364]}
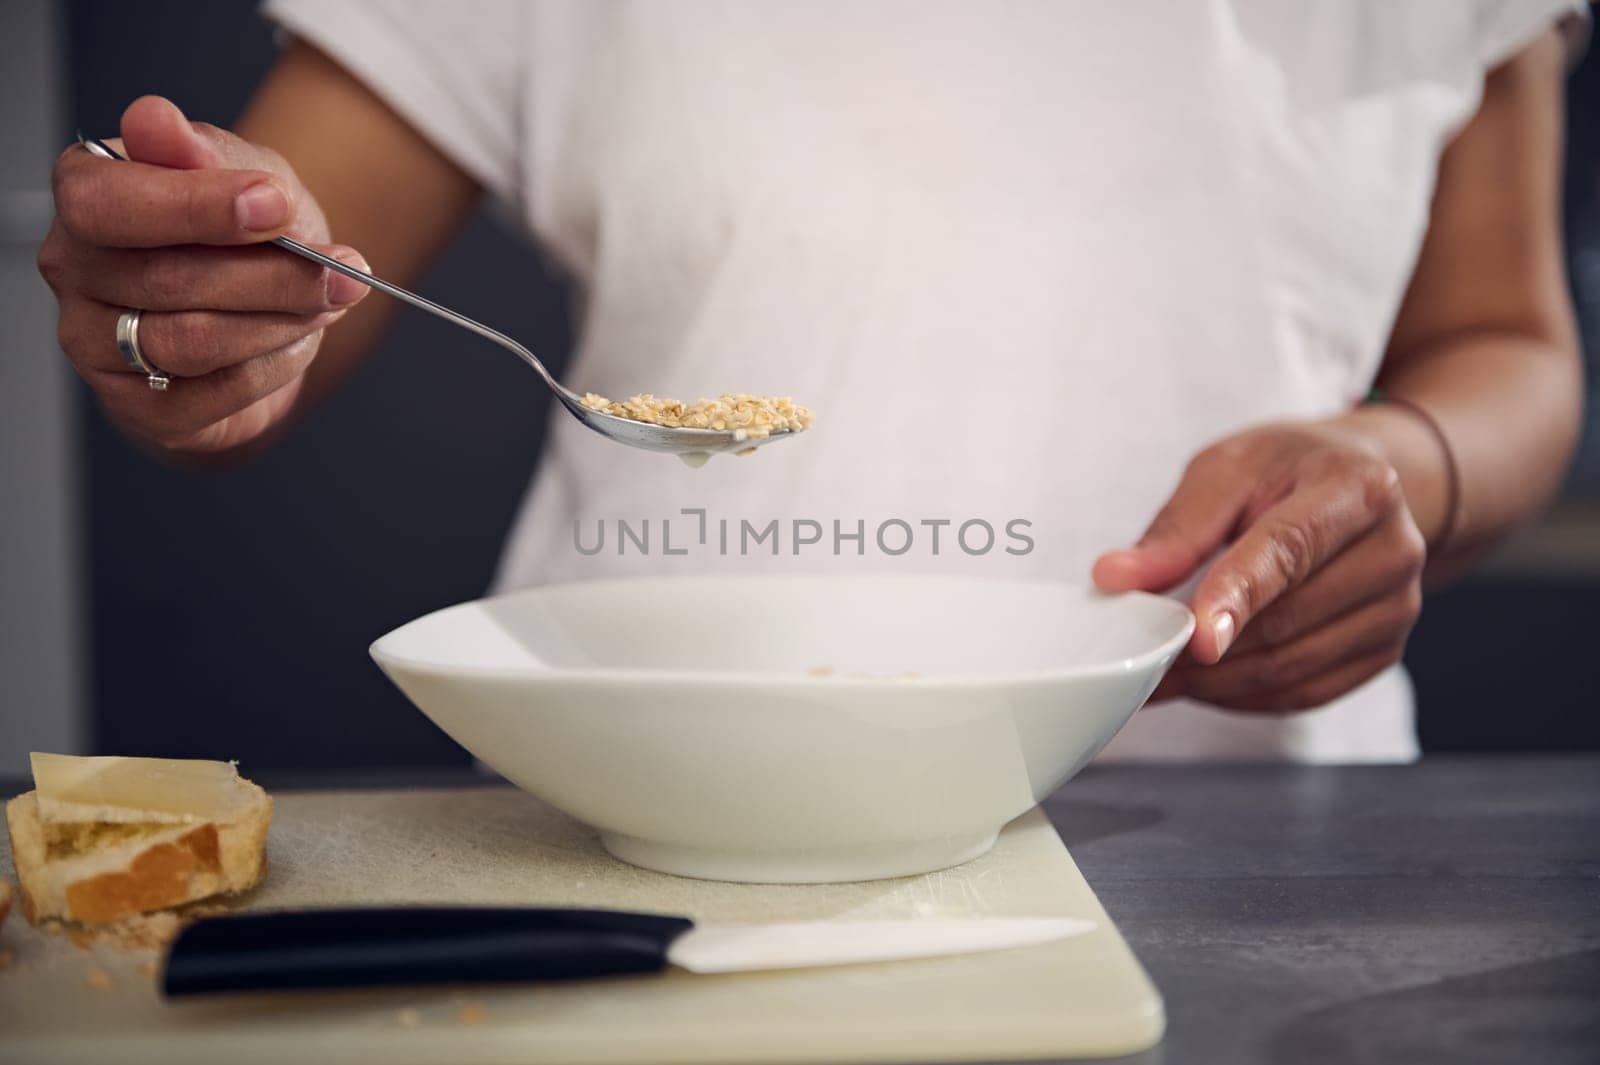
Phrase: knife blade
{"type": "Point", "coordinates": [370, 947]}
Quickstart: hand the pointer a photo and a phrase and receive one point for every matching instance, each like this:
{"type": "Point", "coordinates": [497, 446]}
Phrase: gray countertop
{"type": "Point", "coordinates": [1442, 912]}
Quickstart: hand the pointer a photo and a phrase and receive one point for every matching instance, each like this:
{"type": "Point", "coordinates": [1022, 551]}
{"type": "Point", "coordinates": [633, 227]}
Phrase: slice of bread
{"type": "Point", "coordinates": [120, 862]}
{"type": "Point", "coordinates": [5, 900]}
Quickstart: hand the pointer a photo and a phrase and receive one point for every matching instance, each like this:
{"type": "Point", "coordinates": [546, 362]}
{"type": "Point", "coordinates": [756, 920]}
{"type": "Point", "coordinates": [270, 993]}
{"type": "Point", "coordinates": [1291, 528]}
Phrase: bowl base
{"type": "Point", "coordinates": [799, 867]}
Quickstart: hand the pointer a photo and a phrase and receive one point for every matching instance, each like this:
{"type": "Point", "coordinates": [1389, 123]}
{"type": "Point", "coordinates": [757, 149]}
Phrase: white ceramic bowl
{"type": "Point", "coordinates": [683, 717]}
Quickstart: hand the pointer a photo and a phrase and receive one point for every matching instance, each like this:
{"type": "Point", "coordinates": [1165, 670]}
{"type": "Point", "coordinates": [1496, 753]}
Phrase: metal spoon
{"type": "Point", "coordinates": [692, 444]}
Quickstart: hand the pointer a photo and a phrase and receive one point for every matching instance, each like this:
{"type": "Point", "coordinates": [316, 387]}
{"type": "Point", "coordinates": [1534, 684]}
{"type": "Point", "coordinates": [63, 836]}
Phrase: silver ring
{"type": "Point", "coordinates": [128, 345]}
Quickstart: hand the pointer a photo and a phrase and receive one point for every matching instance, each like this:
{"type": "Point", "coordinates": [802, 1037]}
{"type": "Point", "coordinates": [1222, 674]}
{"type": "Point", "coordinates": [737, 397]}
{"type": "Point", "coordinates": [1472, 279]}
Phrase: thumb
{"type": "Point", "coordinates": [1204, 510]}
{"type": "Point", "coordinates": [154, 131]}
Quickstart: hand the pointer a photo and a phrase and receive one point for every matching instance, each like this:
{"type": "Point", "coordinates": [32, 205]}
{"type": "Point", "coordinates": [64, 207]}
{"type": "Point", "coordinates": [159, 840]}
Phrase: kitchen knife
{"type": "Point", "coordinates": [421, 945]}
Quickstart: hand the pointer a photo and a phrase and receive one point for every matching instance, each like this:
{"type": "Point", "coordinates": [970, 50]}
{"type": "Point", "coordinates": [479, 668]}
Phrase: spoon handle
{"type": "Point", "coordinates": [422, 303]}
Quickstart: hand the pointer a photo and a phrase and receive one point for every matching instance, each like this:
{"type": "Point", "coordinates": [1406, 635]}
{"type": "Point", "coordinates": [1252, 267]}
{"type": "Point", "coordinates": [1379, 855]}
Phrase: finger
{"type": "Point", "coordinates": [136, 205]}
{"type": "Point", "coordinates": [1381, 624]}
{"type": "Point", "coordinates": [1290, 541]}
{"type": "Point", "coordinates": [1373, 567]}
{"type": "Point", "coordinates": [186, 343]}
{"type": "Point", "coordinates": [190, 406]}
{"type": "Point", "coordinates": [1195, 521]}
{"type": "Point", "coordinates": [200, 343]}
{"type": "Point", "coordinates": [156, 131]}
{"type": "Point", "coordinates": [1171, 687]}
{"type": "Point", "coordinates": [194, 277]}
{"type": "Point", "coordinates": [1322, 689]}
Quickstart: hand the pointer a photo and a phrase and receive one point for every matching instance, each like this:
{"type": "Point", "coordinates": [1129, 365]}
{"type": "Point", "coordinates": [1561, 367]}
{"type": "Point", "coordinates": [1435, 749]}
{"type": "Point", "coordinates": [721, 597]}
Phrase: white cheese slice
{"type": "Point", "coordinates": [160, 789]}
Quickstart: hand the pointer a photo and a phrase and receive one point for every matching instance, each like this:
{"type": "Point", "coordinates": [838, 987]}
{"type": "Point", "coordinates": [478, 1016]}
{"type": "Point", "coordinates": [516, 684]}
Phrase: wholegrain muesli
{"type": "Point", "coordinates": [747, 417]}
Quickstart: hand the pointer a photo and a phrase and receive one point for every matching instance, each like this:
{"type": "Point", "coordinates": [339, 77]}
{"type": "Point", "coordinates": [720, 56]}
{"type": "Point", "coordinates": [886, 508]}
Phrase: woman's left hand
{"type": "Point", "coordinates": [1319, 580]}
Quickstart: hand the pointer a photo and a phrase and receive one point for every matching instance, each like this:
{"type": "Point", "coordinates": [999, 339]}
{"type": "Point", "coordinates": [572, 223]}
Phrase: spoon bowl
{"type": "Point", "coordinates": [685, 443]}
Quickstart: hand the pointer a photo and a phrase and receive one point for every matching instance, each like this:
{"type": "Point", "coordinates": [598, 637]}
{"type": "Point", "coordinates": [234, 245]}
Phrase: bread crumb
{"type": "Point", "coordinates": [6, 958]}
{"type": "Point", "coordinates": [149, 968]}
{"type": "Point", "coordinates": [408, 1018]}
{"type": "Point", "coordinates": [144, 931]}
{"type": "Point", "coordinates": [820, 671]}
{"type": "Point", "coordinates": [98, 979]}
{"type": "Point", "coordinates": [471, 1013]}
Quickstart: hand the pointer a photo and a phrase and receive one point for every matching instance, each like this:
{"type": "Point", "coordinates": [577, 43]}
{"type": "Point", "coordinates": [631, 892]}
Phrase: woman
{"type": "Point", "coordinates": [1066, 266]}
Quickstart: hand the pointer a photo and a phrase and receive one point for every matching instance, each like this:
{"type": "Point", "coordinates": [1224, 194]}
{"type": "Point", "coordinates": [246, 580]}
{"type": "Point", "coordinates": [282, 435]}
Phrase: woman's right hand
{"type": "Point", "coordinates": [170, 233]}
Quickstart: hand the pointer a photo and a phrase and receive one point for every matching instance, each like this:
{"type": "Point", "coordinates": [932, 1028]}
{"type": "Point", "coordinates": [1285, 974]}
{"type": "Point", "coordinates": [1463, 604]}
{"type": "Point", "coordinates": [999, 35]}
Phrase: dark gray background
{"type": "Point", "coordinates": [388, 501]}
{"type": "Point", "coordinates": [392, 499]}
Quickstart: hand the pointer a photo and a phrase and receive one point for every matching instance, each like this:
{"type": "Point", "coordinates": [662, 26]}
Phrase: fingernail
{"type": "Point", "coordinates": [1222, 628]}
{"type": "Point", "coordinates": [261, 207]}
{"type": "Point", "coordinates": [343, 289]}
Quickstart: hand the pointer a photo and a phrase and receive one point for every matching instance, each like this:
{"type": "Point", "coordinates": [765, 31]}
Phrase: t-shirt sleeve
{"type": "Point", "coordinates": [451, 70]}
{"type": "Point", "coordinates": [1505, 27]}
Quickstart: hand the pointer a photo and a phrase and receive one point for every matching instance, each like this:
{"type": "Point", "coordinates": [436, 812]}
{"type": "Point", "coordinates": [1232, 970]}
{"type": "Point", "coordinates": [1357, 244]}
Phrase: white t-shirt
{"type": "Point", "coordinates": [1023, 261]}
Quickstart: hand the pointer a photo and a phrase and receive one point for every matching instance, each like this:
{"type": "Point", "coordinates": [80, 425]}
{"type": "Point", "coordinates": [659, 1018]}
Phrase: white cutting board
{"type": "Point", "coordinates": [1081, 997]}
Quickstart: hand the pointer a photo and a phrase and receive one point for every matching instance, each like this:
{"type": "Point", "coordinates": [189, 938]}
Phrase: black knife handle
{"type": "Point", "coordinates": [414, 945]}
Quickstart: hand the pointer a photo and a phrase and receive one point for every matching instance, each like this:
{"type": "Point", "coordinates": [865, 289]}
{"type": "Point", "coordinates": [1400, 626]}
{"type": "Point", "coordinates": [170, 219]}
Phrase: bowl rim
{"type": "Point", "coordinates": [766, 679]}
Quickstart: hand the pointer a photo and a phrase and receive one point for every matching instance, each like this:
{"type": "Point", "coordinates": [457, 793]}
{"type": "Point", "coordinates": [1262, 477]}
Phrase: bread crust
{"type": "Point", "coordinates": [178, 865]}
